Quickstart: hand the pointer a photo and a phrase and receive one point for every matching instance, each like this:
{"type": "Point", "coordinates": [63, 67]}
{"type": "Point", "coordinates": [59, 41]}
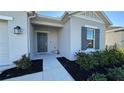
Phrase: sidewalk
{"type": "Point", "coordinates": [52, 71]}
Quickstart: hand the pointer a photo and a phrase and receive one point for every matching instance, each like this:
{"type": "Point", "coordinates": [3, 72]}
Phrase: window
{"type": "Point", "coordinates": [90, 38]}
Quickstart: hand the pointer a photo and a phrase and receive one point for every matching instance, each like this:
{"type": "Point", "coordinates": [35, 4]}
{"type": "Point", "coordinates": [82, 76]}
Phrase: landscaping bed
{"type": "Point", "coordinates": [107, 65]}
{"type": "Point", "coordinates": [36, 66]}
{"type": "Point", "coordinates": [73, 69]}
{"type": "Point", "coordinates": [80, 74]}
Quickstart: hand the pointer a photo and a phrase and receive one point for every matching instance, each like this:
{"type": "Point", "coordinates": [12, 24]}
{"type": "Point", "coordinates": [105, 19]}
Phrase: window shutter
{"type": "Point", "coordinates": [97, 38]}
{"type": "Point", "coordinates": [84, 38]}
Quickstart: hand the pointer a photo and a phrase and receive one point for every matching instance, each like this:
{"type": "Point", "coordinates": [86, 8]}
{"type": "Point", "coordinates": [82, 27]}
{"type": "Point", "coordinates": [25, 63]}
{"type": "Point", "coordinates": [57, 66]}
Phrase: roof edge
{"type": "Point", "coordinates": [115, 30]}
{"type": "Point", "coordinates": [66, 13]}
{"type": "Point", "coordinates": [103, 13]}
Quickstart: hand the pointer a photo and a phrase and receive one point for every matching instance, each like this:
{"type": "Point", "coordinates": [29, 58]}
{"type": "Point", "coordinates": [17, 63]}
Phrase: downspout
{"type": "Point", "coordinates": [28, 33]}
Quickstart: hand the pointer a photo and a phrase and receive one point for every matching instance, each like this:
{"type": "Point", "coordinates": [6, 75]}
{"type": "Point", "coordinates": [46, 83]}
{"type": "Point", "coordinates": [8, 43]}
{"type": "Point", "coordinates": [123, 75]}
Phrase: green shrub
{"type": "Point", "coordinates": [121, 50]}
{"type": "Point", "coordinates": [100, 58]}
{"type": "Point", "coordinates": [91, 60]}
{"type": "Point", "coordinates": [84, 60]}
{"type": "Point", "coordinates": [121, 55]}
{"type": "Point", "coordinates": [116, 73]}
{"type": "Point", "coordinates": [115, 55]}
{"type": "Point", "coordinates": [24, 62]}
{"type": "Point", "coordinates": [97, 77]}
{"type": "Point", "coordinates": [112, 56]}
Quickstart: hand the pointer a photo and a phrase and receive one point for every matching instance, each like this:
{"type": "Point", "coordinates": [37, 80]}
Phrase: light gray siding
{"type": "Point", "coordinates": [64, 40]}
{"type": "Point", "coordinates": [18, 44]}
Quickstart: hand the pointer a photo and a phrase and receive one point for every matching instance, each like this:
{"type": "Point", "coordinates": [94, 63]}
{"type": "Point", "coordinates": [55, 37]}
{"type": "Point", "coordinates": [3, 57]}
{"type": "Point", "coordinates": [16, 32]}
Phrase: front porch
{"type": "Point", "coordinates": [44, 40]}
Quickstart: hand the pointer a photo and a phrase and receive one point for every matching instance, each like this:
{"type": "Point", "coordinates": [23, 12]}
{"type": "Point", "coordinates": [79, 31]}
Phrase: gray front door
{"type": "Point", "coordinates": [41, 42]}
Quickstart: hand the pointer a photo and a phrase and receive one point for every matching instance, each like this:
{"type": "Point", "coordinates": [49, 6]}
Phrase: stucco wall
{"type": "Point", "coordinates": [114, 37]}
{"type": "Point", "coordinates": [64, 40]}
{"type": "Point", "coordinates": [75, 35]}
{"type": "Point", "coordinates": [52, 41]}
{"type": "Point", "coordinates": [17, 43]}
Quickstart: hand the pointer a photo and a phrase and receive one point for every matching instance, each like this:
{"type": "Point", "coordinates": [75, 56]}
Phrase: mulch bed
{"type": "Point", "coordinates": [36, 66]}
{"type": "Point", "coordinates": [74, 69]}
{"type": "Point", "coordinates": [80, 74]}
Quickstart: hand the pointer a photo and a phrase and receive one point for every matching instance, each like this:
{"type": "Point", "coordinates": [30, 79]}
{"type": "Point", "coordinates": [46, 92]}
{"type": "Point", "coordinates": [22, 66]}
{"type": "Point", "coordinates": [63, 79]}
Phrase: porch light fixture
{"type": "Point", "coordinates": [17, 30]}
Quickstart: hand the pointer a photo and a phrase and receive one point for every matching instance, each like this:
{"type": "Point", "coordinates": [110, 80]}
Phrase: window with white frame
{"type": "Point", "coordinates": [90, 37]}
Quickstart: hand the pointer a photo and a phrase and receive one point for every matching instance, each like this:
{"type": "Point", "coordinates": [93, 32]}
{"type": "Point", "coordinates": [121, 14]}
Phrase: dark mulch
{"type": "Point", "coordinates": [80, 74]}
{"type": "Point", "coordinates": [74, 69]}
{"type": "Point", "coordinates": [36, 66]}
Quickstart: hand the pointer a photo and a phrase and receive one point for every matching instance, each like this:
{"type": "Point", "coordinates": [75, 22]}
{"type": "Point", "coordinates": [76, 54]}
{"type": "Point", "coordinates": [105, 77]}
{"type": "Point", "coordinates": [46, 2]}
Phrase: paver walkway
{"type": "Point", "coordinates": [52, 71]}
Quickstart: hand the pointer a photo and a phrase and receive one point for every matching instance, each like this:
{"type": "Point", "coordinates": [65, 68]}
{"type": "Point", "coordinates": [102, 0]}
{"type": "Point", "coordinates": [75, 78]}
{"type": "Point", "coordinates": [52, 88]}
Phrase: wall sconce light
{"type": "Point", "coordinates": [17, 30]}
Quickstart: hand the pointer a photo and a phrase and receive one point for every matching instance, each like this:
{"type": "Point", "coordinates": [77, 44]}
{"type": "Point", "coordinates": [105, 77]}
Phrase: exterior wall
{"type": "Point", "coordinates": [18, 44]}
{"type": "Point", "coordinates": [64, 40]}
{"type": "Point", "coordinates": [76, 24]}
{"type": "Point", "coordinates": [52, 38]}
{"type": "Point", "coordinates": [52, 41]}
{"type": "Point", "coordinates": [114, 37]}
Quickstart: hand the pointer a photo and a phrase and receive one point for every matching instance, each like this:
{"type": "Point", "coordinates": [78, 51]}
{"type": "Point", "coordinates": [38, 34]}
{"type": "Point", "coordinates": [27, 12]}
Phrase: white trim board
{"type": "Point", "coordinates": [94, 27]}
{"type": "Point", "coordinates": [5, 17]}
{"type": "Point", "coordinates": [88, 18]}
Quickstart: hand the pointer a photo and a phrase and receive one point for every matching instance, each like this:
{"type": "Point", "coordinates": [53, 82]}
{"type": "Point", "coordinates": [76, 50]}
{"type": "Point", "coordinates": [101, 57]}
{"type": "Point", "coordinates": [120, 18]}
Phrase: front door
{"type": "Point", "coordinates": [42, 42]}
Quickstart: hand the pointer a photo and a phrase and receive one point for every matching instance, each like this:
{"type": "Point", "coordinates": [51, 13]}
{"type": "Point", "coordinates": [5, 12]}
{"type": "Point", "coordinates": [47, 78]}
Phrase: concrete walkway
{"type": "Point", "coordinates": [52, 71]}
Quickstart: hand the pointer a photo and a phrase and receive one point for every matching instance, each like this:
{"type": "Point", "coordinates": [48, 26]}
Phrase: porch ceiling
{"type": "Point", "coordinates": [47, 22]}
{"type": "Point", "coordinates": [45, 27]}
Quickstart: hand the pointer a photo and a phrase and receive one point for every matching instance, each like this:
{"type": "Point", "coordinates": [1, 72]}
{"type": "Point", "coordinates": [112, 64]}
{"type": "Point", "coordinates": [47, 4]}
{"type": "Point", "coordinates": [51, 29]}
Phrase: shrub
{"type": "Point", "coordinates": [100, 58]}
{"type": "Point", "coordinates": [121, 55]}
{"type": "Point", "coordinates": [115, 55]}
{"type": "Point", "coordinates": [97, 77]}
{"type": "Point", "coordinates": [84, 60]}
{"type": "Point", "coordinates": [91, 60]}
{"type": "Point", "coordinates": [121, 50]}
{"type": "Point", "coordinates": [111, 55]}
{"type": "Point", "coordinates": [24, 62]}
{"type": "Point", "coordinates": [116, 73]}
